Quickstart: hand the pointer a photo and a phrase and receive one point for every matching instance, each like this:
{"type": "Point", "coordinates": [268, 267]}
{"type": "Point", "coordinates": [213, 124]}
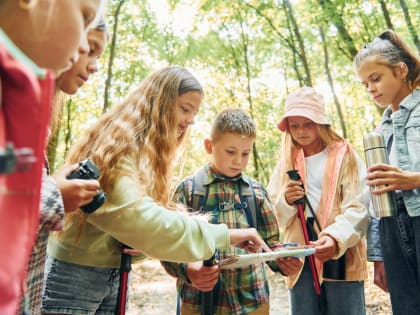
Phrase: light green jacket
{"type": "Point", "coordinates": [140, 223]}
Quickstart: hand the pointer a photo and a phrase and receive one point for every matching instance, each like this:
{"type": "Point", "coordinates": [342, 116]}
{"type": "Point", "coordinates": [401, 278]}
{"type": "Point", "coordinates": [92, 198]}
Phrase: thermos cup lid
{"type": "Point", "coordinates": [373, 140]}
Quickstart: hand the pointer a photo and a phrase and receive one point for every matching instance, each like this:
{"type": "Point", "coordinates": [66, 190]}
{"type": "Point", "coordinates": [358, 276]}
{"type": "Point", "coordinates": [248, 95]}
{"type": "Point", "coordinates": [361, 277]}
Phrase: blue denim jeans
{"type": "Point", "coordinates": [76, 289]}
{"type": "Point", "coordinates": [400, 240]}
{"type": "Point", "coordinates": [338, 297]}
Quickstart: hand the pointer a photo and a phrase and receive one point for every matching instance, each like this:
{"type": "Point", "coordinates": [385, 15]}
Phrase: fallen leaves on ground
{"type": "Point", "coordinates": [152, 292]}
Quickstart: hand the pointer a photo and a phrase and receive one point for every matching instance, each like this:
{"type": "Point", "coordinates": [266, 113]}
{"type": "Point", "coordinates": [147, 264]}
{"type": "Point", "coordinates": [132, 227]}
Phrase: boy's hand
{"type": "Point", "coordinates": [75, 192]}
{"type": "Point", "coordinates": [203, 278]}
{"type": "Point", "coordinates": [248, 239]}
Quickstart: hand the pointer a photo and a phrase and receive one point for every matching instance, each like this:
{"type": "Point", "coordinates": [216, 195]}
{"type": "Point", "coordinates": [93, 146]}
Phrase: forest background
{"type": "Point", "coordinates": [247, 54]}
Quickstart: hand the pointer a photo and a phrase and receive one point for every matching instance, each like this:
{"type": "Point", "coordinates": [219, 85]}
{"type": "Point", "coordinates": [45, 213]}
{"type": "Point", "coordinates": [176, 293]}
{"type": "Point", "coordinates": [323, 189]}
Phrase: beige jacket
{"type": "Point", "coordinates": [341, 212]}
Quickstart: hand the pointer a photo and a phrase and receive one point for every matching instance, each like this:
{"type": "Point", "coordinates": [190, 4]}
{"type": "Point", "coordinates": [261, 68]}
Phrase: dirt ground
{"type": "Point", "coordinates": [152, 292]}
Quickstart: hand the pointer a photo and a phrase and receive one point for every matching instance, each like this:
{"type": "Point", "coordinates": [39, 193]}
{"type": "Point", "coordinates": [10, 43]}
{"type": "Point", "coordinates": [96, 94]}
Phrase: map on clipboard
{"type": "Point", "coordinates": [238, 261]}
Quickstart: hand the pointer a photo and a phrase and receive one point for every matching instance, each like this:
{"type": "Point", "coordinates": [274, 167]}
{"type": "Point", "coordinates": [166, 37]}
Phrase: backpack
{"type": "Point", "coordinates": [249, 202]}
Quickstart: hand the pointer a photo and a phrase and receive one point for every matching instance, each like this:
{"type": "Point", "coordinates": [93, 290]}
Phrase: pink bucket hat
{"type": "Point", "coordinates": [305, 102]}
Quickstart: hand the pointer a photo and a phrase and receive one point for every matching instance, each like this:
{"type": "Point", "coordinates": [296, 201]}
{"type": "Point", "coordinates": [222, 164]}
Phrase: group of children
{"type": "Point", "coordinates": [137, 145]}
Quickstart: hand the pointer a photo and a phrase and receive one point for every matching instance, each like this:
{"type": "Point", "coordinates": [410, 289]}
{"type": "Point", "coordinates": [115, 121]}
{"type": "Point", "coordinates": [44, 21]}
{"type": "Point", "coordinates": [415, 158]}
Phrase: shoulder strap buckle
{"type": "Point", "coordinates": [226, 206]}
{"type": "Point", "coordinates": [241, 205]}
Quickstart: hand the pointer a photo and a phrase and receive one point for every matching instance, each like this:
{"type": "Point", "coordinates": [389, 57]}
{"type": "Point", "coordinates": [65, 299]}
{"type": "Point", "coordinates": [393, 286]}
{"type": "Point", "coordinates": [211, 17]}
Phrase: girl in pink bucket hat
{"type": "Point", "coordinates": [331, 188]}
{"type": "Point", "coordinates": [305, 102]}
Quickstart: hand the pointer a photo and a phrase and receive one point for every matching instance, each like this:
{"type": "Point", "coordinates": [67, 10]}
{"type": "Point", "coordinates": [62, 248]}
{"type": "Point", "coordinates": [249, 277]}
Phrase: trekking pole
{"type": "Point", "coordinates": [125, 268]}
{"type": "Point", "coordinates": [294, 175]}
{"type": "Point", "coordinates": [207, 306]}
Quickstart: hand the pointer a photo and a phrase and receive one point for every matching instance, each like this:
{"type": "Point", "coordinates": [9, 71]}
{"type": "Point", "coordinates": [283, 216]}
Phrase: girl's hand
{"type": "Point", "coordinates": [289, 265]}
{"type": "Point", "coordinates": [248, 239]}
{"type": "Point", "coordinates": [294, 191]}
{"type": "Point", "coordinates": [203, 278]}
{"type": "Point", "coordinates": [75, 192]}
{"type": "Point", "coordinates": [130, 251]}
{"type": "Point", "coordinates": [380, 275]}
{"type": "Point", "coordinates": [392, 178]}
{"type": "Point", "coordinates": [325, 248]}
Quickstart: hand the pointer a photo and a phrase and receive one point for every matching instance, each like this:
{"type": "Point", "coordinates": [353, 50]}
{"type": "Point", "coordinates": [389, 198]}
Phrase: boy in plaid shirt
{"type": "Point", "coordinates": [241, 290]}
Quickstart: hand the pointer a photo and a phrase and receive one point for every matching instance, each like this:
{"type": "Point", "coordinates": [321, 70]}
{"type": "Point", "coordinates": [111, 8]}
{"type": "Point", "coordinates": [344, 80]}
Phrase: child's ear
{"type": "Point", "coordinates": [403, 70]}
{"type": "Point", "coordinates": [208, 145]}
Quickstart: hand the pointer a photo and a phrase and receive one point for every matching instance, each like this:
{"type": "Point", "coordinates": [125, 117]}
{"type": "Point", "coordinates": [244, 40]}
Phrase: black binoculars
{"type": "Point", "coordinates": [88, 170]}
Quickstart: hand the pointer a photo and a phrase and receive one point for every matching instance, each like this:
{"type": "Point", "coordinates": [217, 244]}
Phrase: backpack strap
{"type": "Point", "coordinates": [248, 199]}
{"type": "Point", "coordinates": [247, 196]}
{"type": "Point", "coordinates": [199, 192]}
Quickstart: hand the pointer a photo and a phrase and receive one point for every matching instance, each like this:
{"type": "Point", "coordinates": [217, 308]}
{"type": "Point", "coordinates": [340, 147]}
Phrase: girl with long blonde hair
{"type": "Point", "coordinates": [332, 182]}
{"type": "Point", "coordinates": [135, 145]}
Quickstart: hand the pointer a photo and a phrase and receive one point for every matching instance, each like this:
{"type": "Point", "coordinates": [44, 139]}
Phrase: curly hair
{"type": "Point", "coordinates": [140, 128]}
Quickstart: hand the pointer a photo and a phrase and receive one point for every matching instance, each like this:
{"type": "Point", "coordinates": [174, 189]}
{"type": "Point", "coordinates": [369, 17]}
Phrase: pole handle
{"type": "Point", "coordinates": [125, 268]}
{"type": "Point", "coordinates": [207, 306]}
{"type": "Point", "coordinates": [294, 175]}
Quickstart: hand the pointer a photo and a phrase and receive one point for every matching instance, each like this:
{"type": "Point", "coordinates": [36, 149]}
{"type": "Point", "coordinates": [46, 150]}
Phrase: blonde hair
{"type": "Point", "coordinates": [233, 120]}
{"type": "Point", "coordinates": [327, 137]}
{"type": "Point", "coordinates": [390, 50]}
{"type": "Point", "coordinates": [141, 128]}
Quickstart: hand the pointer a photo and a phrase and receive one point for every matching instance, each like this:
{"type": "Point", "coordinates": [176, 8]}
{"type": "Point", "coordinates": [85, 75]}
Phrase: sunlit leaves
{"type": "Point", "coordinates": [243, 53]}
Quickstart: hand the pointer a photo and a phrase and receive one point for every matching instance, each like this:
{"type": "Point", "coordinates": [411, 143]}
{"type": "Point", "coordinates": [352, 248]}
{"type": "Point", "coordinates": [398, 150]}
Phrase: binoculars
{"type": "Point", "coordinates": [88, 170]}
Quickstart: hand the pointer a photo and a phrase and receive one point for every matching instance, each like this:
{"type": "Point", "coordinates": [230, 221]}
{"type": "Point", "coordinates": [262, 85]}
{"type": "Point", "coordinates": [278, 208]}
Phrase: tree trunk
{"type": "Point", "coordinates": [302, 53]}
{"type": "Point", "coordinates": [386, 15]}
{"type": "Point", "coordinates": [289, 42]}
{"type": "Point", "coordinates": [331, 83]}
{"type": "Point", "coordinates": [337, 19]}
{"type": "Point", "coordinates": [68, 135]}
{"type": "Point", "coordinates": [245, 52]}
{"type": "Point", "coordinates": [111, 56]}
{"type": "Point", "coordinates": [410, 25]}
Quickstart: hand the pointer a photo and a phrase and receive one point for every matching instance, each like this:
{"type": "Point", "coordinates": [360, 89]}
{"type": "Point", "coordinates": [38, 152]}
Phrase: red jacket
{"type": "Point", "coordinates": [25, 101]}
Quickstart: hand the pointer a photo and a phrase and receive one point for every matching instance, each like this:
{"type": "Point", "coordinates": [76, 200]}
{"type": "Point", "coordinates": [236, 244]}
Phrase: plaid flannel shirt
{"type": "Point", "coordinates": [52, 212]}
{"type": "Point", "coordinates": [240, 290]}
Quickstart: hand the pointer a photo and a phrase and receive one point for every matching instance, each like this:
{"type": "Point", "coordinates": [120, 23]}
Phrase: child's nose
{"type": "Point", "coordinates": [84, 45]}
{"type": "Point", "coordinates": [371, 88]}
{"type": "Point", "coordinates": [191, 119]}
{"type": "Point", "coordinates": [237, 159]}
{"type": "Point", "coordinates": [92, 67]}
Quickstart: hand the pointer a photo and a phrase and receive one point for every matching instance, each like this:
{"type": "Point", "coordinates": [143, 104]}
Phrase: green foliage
{"type": "Point", "coordinates": [246, 55]}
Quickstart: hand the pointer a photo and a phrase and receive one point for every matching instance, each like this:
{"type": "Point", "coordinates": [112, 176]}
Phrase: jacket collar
{"type": "Point", "coordinates": [211, 177]}
{"type": "Point", "coordinates": [409, 103]}
{"type": "Point", "coordinates": [20, 55]}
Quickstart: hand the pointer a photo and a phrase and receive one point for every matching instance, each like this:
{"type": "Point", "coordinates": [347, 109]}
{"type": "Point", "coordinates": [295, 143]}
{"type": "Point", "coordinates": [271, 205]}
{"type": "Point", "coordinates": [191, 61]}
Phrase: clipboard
{"type": "Point", "coordinates": [239, 261]}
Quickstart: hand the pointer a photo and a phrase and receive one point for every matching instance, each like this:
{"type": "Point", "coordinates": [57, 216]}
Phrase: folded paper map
{"type": "Point", "coordinates": [238, 261]}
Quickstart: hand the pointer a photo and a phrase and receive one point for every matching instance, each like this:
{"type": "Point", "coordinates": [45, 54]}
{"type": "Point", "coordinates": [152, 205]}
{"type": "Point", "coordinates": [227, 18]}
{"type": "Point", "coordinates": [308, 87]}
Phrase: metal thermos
{"type": "Point", "coordinates": [375, 153]}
